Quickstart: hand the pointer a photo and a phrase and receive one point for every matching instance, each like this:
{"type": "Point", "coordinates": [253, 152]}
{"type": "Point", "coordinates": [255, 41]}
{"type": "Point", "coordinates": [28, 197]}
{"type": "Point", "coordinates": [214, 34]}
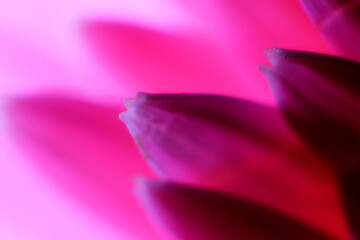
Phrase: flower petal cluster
{"type": "Point", "coordinates": [263, 164]}
{"type": "Point", "coordinates": [236, 147]}
{"type": "Point", "coordinates": [302, 163]}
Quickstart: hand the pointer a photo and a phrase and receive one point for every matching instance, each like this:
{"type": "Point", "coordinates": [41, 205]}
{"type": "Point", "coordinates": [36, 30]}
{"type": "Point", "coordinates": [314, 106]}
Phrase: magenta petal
{"type": "Point", "coordinates": [160, 61]}
{"type": "Point", "coordinates": [26, 67]}
{"type": "Point", "coordinates": [339, 21]}
{"type": "Point", "coordinates": [236, 146]}
{"type": "Point", "coordinates": [349, 183]}
{"type": "Point", "coordinates": [197, 214]}
{"type": "Point", "coordinates": [320, 96]}
{"type": "Point", "coordinates": [83, 149]}
{"type": "Point", "coordinates": [252, 23]}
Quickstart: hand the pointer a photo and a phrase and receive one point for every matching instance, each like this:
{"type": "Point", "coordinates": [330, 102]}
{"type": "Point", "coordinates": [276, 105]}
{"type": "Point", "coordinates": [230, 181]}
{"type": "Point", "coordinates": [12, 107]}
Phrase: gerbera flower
{"type": "Point", "coordinates": [79, 144]}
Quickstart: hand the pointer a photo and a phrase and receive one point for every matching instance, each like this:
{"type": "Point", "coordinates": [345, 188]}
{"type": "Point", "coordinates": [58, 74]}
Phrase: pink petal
{"type": "Point", "coordinates": [243, 29]}
{"type": "Point", "coordinates": [249, 20]}
{"type": "Point", "coordinates": [161, 61]}
{"type": "Point", "coordinates": [339, 21]}
{"type": "Point", "coordinates": [84, 149]}
{"type": "Point", "coordinates": [320, 96]}
{"type": "Point", "coordinates": [196, 214]}
{"type": "Point", "coordinates": [349, 183]}
{"type": "Point", "coordinates": [26, 66]}
{"type": "Point", "coordinates": [236, 146]}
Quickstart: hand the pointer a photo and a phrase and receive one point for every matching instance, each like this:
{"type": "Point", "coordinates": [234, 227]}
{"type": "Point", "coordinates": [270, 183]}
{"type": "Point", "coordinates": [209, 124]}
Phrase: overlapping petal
{"type": "Point", "coordinates": [319, 95]}
{"type": "Point", "coordinates": [237, 146]}
{"type": "Point", "coordinates": [259, 160]}
{"type": "Point", "coordinates": [207, 57]}
{"type": "Point", "coordinates": [85, 150]}
{"type": "Point", "coordinates": [251, 28]}
{"type": "Point", "coordinates": [339, 21]}
{"type": "Point", "coordinates": [197, 214]}
{"type": "Point", "coordinates": [161, 61]}
{"type": "Point", "coordinates": [27, 67]}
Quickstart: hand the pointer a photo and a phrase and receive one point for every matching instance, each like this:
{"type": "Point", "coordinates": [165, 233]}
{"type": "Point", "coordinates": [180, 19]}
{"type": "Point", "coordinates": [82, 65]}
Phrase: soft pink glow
{"type": "Point", "coordinates": [84, 149]}
{"type": "Point", "coordinates": [32, 207]}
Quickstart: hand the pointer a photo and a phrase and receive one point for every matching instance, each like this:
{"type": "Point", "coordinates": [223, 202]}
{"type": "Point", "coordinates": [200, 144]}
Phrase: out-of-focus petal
{"type": "Point", "coordinates": [233, 145]}
{"type": "Point", "coordinates": [245, 28]}
{"type": "Point", "coordinates": [26, 66]}
{"type": "Point", "coordinates": [83, 148]}
{"type": "Point", "coordinates": [197, 214]}
{"type": "Point", "coordinates": [54, 24]}
{"type": "Point", "coordinates": [160, 61]}
{"type": "Point", "coordinates": [320, 96]}
{"type": "Point", "coordinates": [34, 208]}
{"type": "Point", "coordinates": [248, 22]}
{"type": "Point", "coordinates": [339, 21]}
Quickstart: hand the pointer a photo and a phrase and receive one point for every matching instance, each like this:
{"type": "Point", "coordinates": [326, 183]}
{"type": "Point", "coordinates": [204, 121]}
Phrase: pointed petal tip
{"type": "Point", "coordinates": [128, 119]}
{"type": "Point", "coordinates": [131, 104]}
{"type": "Point", "coordinates": [319, 96]}
{"type": "Point", "coordinates": [275, 54]}
{"type": "Point", "coordinates": [123, 117]}
{"type": "Point", "coordinates": [273, 50]}
{"type": "Point", "coordinates": [128, 103]}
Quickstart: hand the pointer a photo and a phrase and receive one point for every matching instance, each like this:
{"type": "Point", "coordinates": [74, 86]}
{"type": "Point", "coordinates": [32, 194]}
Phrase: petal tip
{"type": "Point", "coordinates": [272, 50]}
{"type": "Point", "coordinates": [128, 103]}
{"type": "Point", "coordinates": [123, 117]}
{"type": "Point", "coordinates": [274, 54]}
